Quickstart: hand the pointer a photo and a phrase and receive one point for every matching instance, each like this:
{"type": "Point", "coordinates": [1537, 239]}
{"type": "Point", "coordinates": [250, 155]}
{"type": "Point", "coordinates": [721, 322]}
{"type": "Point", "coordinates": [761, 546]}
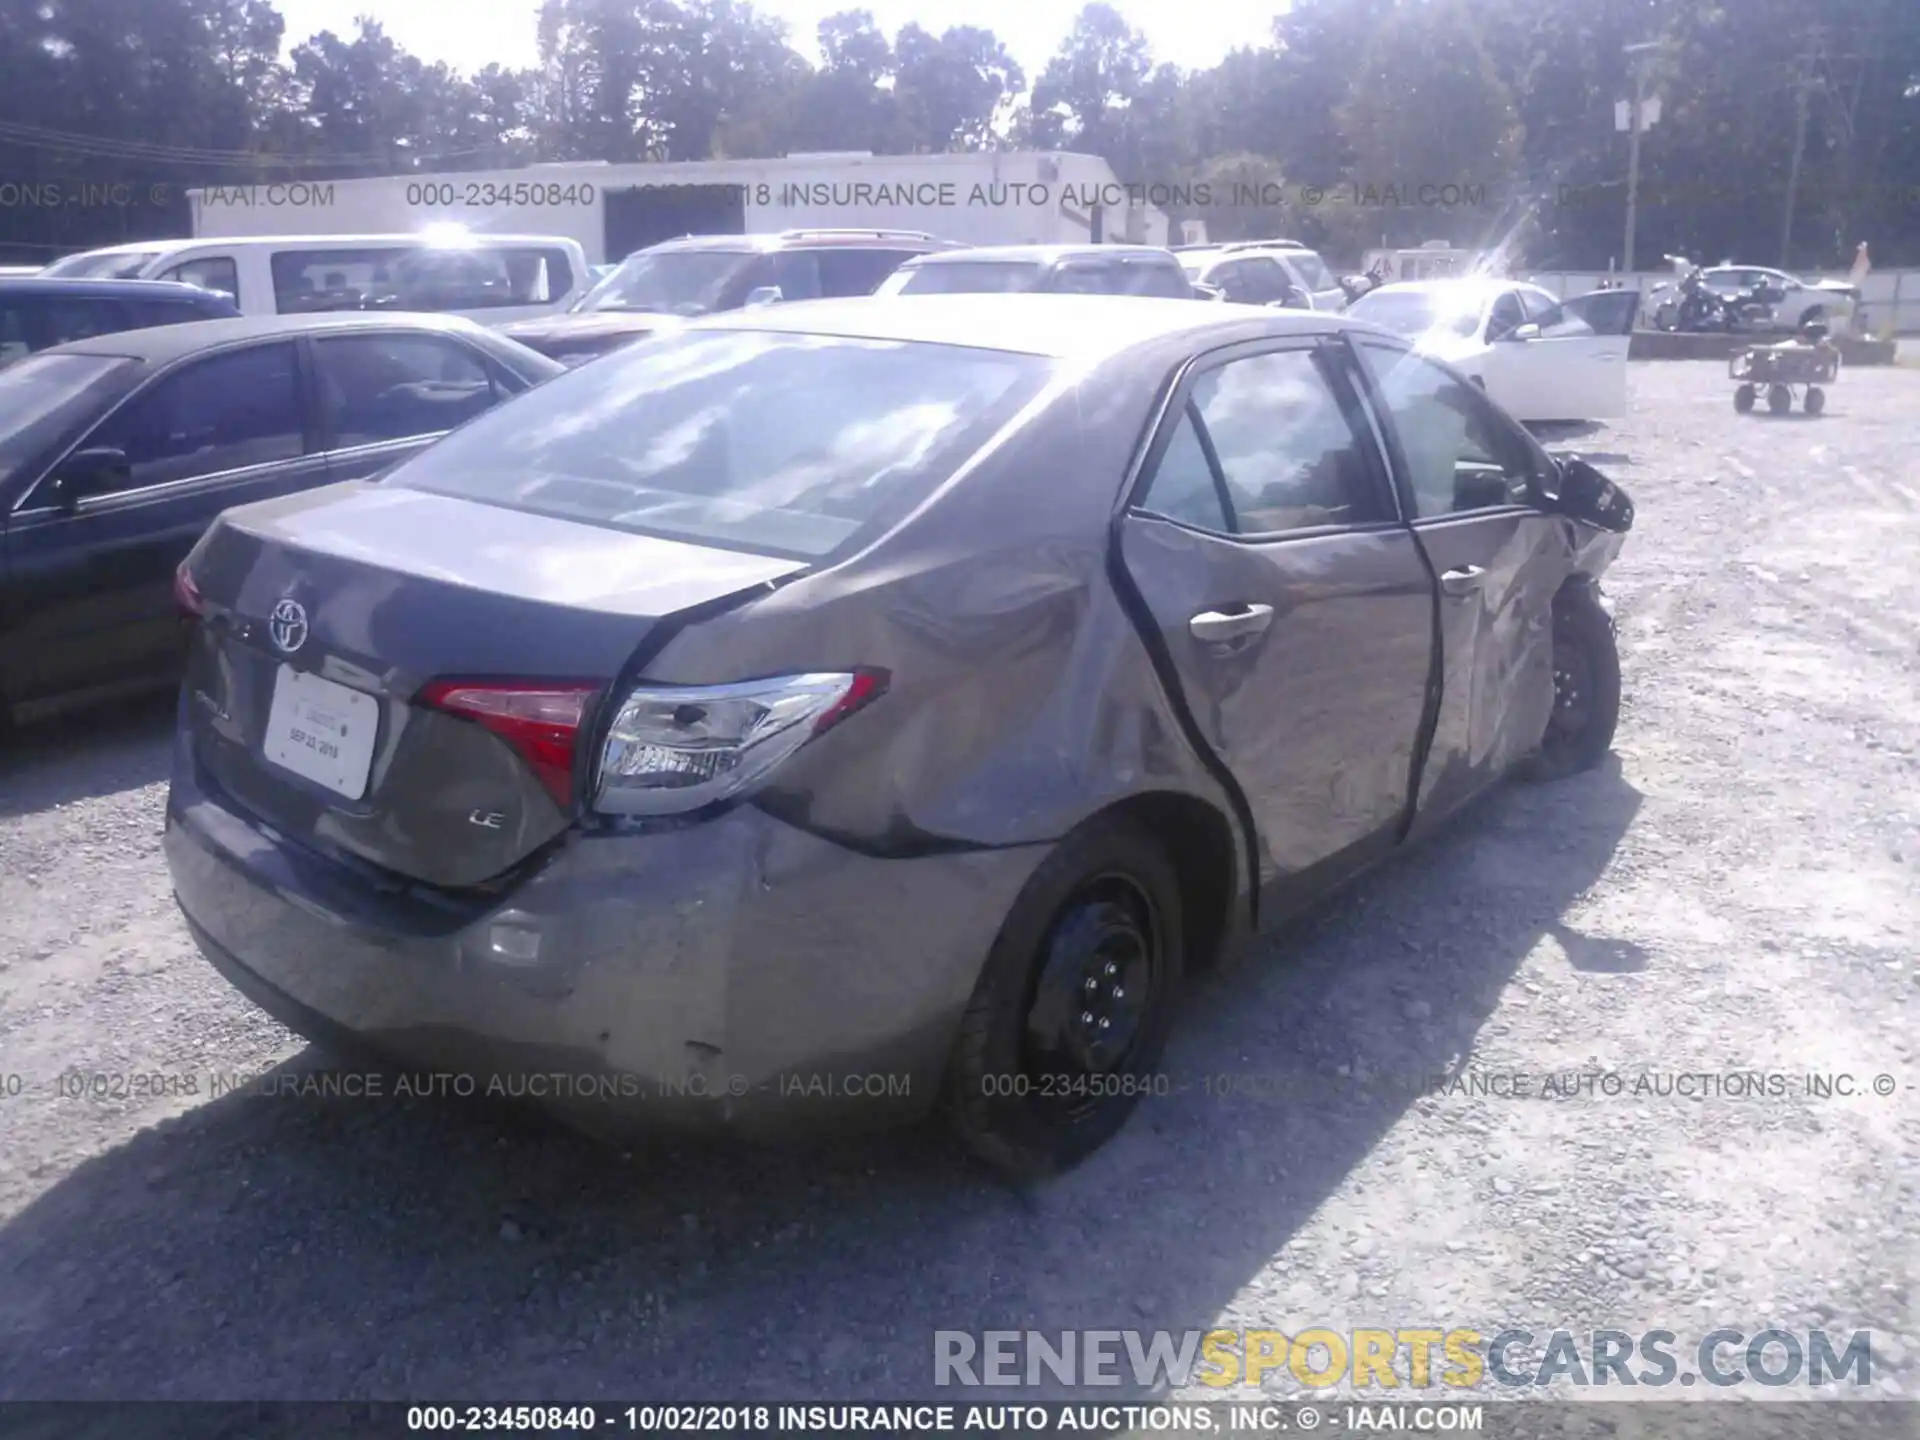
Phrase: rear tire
{"type": "Point", "coordinates": [1066, 1026]}
{"type": "Point", "coordinates": [1586, 689]}
{"type": "Point", "coordinates": [1816, 401]}
{"type": "Point", "coordinates": [1779, 399]}
{"type": "Point", "coordinates": [1743, 399]}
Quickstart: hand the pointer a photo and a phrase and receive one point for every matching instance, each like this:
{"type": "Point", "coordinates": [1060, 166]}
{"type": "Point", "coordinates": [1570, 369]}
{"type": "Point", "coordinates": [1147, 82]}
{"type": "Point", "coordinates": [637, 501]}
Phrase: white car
{"type": "Point", "coordinates": [1830, 301]}
{"type": "Point", "coordinates": [1538, 357]}
{"type": "Point", "coordinates": [1265, 272]}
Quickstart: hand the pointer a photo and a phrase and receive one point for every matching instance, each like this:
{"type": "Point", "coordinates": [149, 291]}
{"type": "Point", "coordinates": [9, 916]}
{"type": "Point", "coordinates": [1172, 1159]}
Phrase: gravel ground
{"type": "Point", "coordinates": [1735, 892]}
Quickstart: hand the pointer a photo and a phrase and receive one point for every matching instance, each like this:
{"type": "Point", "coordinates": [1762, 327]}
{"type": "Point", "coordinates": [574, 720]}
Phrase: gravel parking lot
{"type": "Point", "coordinates": [1736, 894]}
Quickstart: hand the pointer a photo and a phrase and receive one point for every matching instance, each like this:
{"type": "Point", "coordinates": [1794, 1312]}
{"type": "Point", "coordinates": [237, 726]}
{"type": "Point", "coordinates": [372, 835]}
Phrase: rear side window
{"type": "Point", "coordinates": [392, 387]}
{"type": "Point", "coordinates": [14, 344]}
{"type": "Point", "coordinates": [796, 272]}
{"type": "Point", "coordinates": [784, 444]}
{"type": "Point", "coordinates": [1286, 450]}
{"type": "Point", "coordinates": [42, 321]}
{"type": "Point", "coordinates": [419, 277]}
{"type": "Point", "coordinates": [226, 412]}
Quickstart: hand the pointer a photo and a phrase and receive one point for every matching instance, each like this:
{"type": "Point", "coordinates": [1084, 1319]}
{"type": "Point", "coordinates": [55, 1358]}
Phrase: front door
{"type": "Point", "coordinates": [94, 583]}
{"type": "Point", "coordinates": [1292, 602]}
{"type": "Point", "coordinates": [1465, 482]}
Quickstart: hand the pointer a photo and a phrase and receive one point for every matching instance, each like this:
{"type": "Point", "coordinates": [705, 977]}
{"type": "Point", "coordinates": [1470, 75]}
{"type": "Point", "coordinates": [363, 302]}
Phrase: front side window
{"type": "Point", "coordinates": [394, 387]}
{"type": "Point", "coordinates": [785, 444]}
{"type": "Point", "coordinates": [1459, 456]}
{"type": "Point", "coordinates": [1505, 317]}
{"type": "Point", "coordinates": [226, 412]}
{"type": "Point", "coordinates": [209, 272]}
{"type": "Point", "coordinates": [45, 398]}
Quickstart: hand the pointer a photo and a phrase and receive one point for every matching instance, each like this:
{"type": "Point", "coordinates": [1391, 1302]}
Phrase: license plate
{"type": "Point", "coordinates": [322, 731]}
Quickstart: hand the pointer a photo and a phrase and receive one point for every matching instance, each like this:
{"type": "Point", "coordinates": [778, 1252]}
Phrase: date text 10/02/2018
{"type": "Point", "coordinates": [1046, 1419]}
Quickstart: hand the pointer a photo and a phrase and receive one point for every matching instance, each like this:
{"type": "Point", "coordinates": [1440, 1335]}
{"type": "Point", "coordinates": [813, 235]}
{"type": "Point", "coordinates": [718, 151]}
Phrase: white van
{"type": "Point", "coordinates": [490, 278]}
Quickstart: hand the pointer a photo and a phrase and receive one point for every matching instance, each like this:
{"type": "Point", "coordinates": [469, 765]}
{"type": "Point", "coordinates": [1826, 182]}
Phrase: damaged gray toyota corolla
{"type": "Point", "coordinates": [835, 708]}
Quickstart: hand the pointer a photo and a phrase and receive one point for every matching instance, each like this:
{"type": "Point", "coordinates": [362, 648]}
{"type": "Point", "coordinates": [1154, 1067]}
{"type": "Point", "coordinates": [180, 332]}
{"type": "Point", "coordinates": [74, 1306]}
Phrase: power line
{"type": "Point", "coordinates": [35, 137]}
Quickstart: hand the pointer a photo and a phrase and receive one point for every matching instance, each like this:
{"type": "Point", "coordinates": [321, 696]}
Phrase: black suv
{"type": "Point", "coordinates": [1058, 269]}
{"type": "Point", "coordinates": [38, 313]}
{"type": "Point", "coordinates": [700, 274]}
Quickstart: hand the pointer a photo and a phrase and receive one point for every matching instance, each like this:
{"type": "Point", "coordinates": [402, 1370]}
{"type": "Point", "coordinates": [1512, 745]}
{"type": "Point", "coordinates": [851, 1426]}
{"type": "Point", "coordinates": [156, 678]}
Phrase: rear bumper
{"type": "Point", "coordinates": [740, 974]}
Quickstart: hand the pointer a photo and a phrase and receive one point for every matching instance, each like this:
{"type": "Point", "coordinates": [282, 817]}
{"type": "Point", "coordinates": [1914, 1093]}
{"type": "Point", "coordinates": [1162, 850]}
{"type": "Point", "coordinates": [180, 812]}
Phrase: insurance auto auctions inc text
{"type": "Point", "coordinates": [1414, 1358]}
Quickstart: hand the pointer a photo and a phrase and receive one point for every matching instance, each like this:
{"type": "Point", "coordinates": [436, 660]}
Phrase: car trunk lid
{"type": "Point", "coordinates": [412, 678]}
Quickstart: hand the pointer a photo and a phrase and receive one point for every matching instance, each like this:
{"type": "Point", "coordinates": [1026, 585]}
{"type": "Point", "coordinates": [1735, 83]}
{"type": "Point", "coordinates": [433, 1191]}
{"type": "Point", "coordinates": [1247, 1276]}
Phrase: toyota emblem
{"type": "Point", "coordinates": [288, 625]}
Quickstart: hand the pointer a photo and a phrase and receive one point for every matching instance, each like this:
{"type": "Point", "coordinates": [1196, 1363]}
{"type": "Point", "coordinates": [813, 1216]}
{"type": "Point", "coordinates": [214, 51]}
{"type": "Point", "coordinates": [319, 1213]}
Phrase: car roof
{"type": "Point", "coordinates": [328, 242]}
{"type": "Point", "coordinates": [1457, 284]}
{"type": "Point", "coordinates": [160, 344]}
{"type": "Point", "coordinates": [1043, 254]}
{"type": "Point", "coordinates": [824, 239]}
{"type": "Point", "coordinates": [1071, 327]}
{"type": "Point", "coordinates": [103, 289]}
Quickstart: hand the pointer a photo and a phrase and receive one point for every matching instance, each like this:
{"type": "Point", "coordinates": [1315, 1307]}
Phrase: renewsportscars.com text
{"type": "Point", "coordinates": [1414, 1358]}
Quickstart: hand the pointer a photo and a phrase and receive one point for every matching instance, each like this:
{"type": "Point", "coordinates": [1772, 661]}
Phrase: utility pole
{"type": "Point", "coordinates": [1803, 83]}
{"type": "Point", "coordinates": [1639, 55]}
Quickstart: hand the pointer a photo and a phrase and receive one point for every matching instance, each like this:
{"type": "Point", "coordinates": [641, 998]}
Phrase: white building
{"type": "Point", "coordinates": [612, 210]}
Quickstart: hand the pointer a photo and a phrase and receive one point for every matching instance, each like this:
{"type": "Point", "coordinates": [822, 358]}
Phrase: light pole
{"type": "Point", "coordinates": [1639, 55]}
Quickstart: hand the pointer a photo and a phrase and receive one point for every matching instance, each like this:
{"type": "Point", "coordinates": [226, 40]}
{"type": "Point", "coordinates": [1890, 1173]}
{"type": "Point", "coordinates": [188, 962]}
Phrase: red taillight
{"type": "Point", "coordinates": [186, 595]}
{"type": "Point", "coordinates": [868, 685]}
{"type": "Point", "coordinates": [540, 719]}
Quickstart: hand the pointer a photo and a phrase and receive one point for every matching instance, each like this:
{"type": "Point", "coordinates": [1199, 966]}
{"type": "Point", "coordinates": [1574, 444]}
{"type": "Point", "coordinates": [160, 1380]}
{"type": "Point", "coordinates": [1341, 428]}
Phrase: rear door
{"type": "Point", "coordinates": [1291, 602]}
{"type": "Point", "coordinates": [1464, 475]}
{"type": "Point", "coordinates": [96, 581]}
{"type": "Point", "coordinates": [383, 395]}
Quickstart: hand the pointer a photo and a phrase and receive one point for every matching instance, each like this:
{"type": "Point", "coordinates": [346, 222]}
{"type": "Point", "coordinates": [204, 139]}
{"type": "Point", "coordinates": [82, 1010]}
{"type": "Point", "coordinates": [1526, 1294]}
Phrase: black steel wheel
{"type": "Point", "coordinates": [1072, 1009]}
{"type": "Point", "coordinates": [1779, 399]}
{"type": "Point", "coordinates": [1816, 400]}
{"type": "Point", "coordinates": [1743, 399]}
{"type": "Point", "coordinates": [1586, 688]}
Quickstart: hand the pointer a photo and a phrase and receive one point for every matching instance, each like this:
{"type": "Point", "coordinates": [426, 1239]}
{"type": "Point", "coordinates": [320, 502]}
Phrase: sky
{"type": "Point", "coordinates": [469, 37]}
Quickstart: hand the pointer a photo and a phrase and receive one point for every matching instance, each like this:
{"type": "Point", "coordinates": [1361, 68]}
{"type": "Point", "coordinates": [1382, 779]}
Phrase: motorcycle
{"type": "Point", "coordinates": [1694, 306]}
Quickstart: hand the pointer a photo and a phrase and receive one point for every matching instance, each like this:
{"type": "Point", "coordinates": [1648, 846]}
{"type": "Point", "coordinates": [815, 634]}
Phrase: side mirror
{"type": "Point", "coordinates": [93, 471]}
{"type": "Point", "coordinates": [1203, 291]}
{"type": "Point", "coordinates": [1523, 332]}
{"type": "Point", "coordinates": [764, 295]}
{"type": "Point", "coordinates": [1582, 493]}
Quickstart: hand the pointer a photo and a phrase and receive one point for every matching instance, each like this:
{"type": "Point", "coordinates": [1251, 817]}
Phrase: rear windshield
{"type": "Point", "coordinates": [964, 277]}
{"type": "Point", "coordinates": [96, 265]}
{"type": "Point", "coordinates": [785, 444]}
{"type": "Point", "coordinates": [673, 282]}
{"type": "Point", "coordinates": [45, 396]}
{"type": "Point", "coordinates": [1415, 313]}
{"type": "Point", "coordinates": [1312, 269]}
